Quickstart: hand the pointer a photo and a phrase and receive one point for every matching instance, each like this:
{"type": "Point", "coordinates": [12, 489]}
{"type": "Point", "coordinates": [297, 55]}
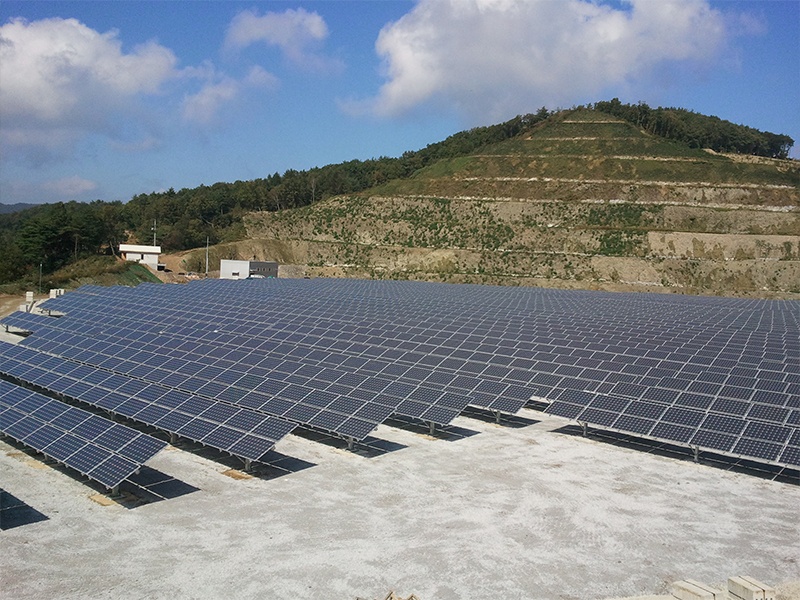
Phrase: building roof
{"type": "Point", "coordinates": [140, 248]}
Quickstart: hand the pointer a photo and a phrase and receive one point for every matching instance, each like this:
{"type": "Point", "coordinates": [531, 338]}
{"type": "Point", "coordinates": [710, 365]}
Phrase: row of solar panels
{"type": "Point", "coordinates": [703, 386]}
{"type": "Point", "coordinates": [467, 315]}
{"type": "Point", "coordinates": [422, 392]}
{"type": "Point", "coordinates": [662, 346]}
{"type": "Point", "coordinates": [104, 451]}
{"type": "Point", "coordinates": [331, 399]}
{"type": "Point", "coordinates": [422, 298]}
{"type": "Point", "coordinates": [731, 359]}
{"type": "Point", "coordinates": [702, 383]}
{"type": "Point", "coordinates": [728, 434]}
{"type": "Point", "coordinates": [241, 432]}
{"type": "Point", "coordinates": [709, 430]}
{"type": "Point", "coordinates": [469, 302]}
{"type": "Point", "coordinates": [739, 378]}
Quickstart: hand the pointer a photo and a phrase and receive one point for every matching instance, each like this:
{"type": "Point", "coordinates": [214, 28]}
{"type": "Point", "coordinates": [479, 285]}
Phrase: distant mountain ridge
{"type": "Point", "coordinates": [12, 208]}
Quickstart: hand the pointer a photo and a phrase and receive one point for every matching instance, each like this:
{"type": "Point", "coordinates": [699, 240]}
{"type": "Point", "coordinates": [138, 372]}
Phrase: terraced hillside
{"type": "Point", "coordinates": [583, 200]}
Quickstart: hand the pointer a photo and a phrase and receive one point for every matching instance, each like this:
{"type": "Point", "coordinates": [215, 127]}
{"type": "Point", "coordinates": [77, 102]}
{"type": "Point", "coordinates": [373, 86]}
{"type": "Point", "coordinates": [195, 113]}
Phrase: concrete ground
{"type": "Point", "coordinates": [485, 511]}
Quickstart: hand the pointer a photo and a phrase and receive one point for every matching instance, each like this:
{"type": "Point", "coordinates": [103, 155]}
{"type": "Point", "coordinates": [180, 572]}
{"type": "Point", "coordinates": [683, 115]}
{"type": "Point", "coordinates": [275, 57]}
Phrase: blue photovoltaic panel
{"type": "Point", "coordinates": [96, 447]}
{"type": "Point", "coordinates": [183, 414]}
{"type": "Point", "coordinates": [658, 362]}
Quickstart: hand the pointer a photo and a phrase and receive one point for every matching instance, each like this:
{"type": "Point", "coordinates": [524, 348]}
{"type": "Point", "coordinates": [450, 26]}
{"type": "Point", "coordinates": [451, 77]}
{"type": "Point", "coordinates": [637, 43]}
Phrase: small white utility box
{"type": "Point", "coordinates": [146, 255]}
{"type": "Point", "coordinates": [244, 269]}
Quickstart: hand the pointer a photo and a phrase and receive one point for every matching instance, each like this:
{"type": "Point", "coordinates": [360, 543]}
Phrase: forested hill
{"type": "Point", "coordinates": [56, 234]}
{"type": "Point", "coordinates": [700, 131]}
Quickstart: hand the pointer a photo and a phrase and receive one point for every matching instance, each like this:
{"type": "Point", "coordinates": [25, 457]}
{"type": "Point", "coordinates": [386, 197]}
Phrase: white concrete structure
{"type": "Point", "coordinates": [146, 255]}
{"type": "Point", "coordinates": [689, 589]}
{"type": "Point", "coordinates": [242, 269]}
{"type": "Point", "coordinates": [747, 588]}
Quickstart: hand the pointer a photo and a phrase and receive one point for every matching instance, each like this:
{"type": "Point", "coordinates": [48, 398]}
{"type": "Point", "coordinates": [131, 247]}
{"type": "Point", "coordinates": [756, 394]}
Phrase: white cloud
{"type": "Point", "coordinates": [492, 58]}
{"type": "Point", "coordinates": [69, 187]}
{"type": "Point", "coordinates": [62, 79]}
{"type": "Point", "coordinates": [298, 33]}
{"type": "Point", "coordinates": [258, 77]}
{"type": "Point", "coordinates": [205, 105]}
{"type": "Point", "coordinates": [64, 189]}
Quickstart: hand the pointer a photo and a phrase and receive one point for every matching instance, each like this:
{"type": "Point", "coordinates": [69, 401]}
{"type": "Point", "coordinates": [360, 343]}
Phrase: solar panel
{"type": "Point", "coordinates": [172, 411]}
{"type": "Point", "coordinates": [104, 451]}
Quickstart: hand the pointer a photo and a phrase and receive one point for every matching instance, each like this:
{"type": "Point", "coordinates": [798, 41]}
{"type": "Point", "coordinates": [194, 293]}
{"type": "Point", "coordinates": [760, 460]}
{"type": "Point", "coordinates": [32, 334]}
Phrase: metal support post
{"type": "Point", "coordinates": [351, 443]}
{"type": "Point", "coordinates": [497, 416]}
{"type": "Point", "coordinates": [696, 452]}
{"type": "Point", "coordinates": [431, 427]}
{"type": "Point", "coordinates": [584, 427]}
{"type": "Point", "coordinates": [247, 465]}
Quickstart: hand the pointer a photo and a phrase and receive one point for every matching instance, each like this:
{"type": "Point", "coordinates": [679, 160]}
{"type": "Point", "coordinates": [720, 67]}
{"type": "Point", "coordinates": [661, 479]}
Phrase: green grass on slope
{"type": "Point", "coordinates": [601, 151]}
{"type": "Point", "coordinates": [96, 270]}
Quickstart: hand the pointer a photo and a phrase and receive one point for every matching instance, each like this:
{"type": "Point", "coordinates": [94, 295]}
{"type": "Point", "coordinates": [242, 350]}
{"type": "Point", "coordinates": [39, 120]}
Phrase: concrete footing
{"type": "Point", "coordinates": [747, 588]}
{"type": "Point", "coordinates": [688, 589]}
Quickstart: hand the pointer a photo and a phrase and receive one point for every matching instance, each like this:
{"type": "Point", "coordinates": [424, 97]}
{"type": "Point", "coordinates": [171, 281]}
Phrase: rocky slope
{"type": "Point", "coordinates": [583, 200]}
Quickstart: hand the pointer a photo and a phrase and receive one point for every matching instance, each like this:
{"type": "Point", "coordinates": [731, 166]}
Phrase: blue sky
{"type": "Point", "coordinates": [108, 99]}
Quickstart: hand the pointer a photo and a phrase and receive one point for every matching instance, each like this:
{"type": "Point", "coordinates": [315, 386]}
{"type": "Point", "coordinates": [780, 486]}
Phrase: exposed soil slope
{"type": "Point", "coordinates": [584, 201]}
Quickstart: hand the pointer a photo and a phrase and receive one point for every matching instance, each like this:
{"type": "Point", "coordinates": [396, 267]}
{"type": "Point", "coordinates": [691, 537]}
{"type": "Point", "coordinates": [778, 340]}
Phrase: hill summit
{"type": "Point", "coordinates": [582, 200]}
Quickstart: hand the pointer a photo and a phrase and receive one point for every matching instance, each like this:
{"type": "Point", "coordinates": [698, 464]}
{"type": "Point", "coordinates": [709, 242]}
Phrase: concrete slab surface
{"type": "Point", "coordinates": [489, 512]}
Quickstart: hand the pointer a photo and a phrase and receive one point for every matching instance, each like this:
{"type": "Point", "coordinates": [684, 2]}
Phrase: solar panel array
{"type": "Point", "coordinates": [240, 432]}
{"type": "Point", "coordinates": [290, 341]}
{"type": "Point", "coordinates": [277, 392]}
{"type": "Point", "coordinates": [102, 450]}
{"type": "Point", "coordinates": [720, 374]}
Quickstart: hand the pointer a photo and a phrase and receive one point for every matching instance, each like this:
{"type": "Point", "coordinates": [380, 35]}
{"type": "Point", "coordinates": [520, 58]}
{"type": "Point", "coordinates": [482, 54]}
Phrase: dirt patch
{"type": "Point", "coordinates": [9, 304]}
{"type": "Point", "coordinates": [486, 516]}
{"type": "Point", "coordinates": [102, 500]}
{"type": "Point", "coordinates": [236, 474]}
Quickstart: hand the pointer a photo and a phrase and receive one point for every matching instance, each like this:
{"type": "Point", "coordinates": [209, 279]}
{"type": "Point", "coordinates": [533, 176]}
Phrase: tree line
{"type": "Point", "coordinates": [699, 131]}
{"type": "Point", "coordinates": [54, 235]}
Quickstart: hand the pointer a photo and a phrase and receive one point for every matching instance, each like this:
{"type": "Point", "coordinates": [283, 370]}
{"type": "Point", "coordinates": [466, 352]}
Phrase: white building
{"type": "Point", "coordinates": [146, 255]}
{"type": "Point", "coordinates": [242, 269]}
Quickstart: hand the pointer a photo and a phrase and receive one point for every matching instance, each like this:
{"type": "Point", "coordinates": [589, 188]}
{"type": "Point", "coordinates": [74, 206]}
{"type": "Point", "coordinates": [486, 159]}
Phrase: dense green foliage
{"type": "Point", "coordinates": [48, 237]}
{"type": "Point", "coordinates": [699, 131]}
{"type": "Point", "coordinates": [96, 270]}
